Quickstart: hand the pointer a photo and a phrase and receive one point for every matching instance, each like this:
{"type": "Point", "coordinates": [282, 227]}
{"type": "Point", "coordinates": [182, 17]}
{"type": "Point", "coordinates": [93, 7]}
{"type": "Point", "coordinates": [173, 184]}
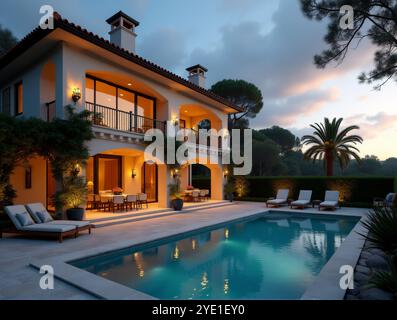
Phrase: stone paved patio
{"type": "Point", "coordinates": [20, 281]}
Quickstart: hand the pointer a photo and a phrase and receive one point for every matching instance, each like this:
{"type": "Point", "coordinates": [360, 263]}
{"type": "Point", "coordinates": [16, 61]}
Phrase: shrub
{"type": "Point", "coordinates": [386, 280]}
{"type": "Point", "coordinates": [381, 224]}
{"type": "Point", "coordinates": [241, 186]}
{"type": "Point", "coordinates": [73, 193]}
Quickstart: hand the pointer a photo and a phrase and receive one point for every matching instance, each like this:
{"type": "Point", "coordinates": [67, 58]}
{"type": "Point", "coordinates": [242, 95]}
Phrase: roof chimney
{"type": "Point", "coordinates": [122, 31]}
{"type": "Point", "coordinates": [197, 75]}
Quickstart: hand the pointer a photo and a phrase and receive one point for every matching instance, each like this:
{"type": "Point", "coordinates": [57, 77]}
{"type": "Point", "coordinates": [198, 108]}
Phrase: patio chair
{"type": "Point", "coordinates": [117, 203]}
{"type": "Point", "coordinates": [304, 199]}
{"type": "Point", "coordinates": [91, 201]}
{"type": "Point", "coordinates": [104, 203]}
{"type": "Point", "coordinates": [281, 198]}
{"type": "Point", "coordinates": [389, 201]}
{"type": "Point", "coordinates": [130, 201]}
{"type": "Point", "coordinates": [24, 225]}
{"type": "Point", "coordinates": [41, 216]}
{"type": "Point", "coordinates": [203, 195]}
{"type": "Point", "coordinates": [142, 199]}
{"type": "Point", "coordinates": [331, 200]}
{"type": "Point", "coordinates": [195, 195]}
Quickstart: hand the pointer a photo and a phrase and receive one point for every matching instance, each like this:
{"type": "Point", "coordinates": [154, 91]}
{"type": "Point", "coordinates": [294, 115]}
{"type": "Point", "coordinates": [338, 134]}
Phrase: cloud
{"type": "Point", "coordinates": [280, 63]}
{"type": "Point", "coordinates": [166, 47]}
{"type": "Point", "coordinates": [371, 126]}
{"type": "Point", "coordinates": [286, 111]}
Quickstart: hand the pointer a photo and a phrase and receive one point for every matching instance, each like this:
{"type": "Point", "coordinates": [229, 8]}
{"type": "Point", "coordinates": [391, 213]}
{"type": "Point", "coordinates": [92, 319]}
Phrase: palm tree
{"type": "Point", "coordinates": [328, 144]}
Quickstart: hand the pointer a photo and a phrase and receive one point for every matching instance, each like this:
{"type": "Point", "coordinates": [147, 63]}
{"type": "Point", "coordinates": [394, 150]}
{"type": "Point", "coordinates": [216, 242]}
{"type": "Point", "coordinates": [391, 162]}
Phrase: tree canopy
{"type": "Point", "coordinates": [374, 21]}
{"type": "Point", "coordinates": [7, 40]}
{"type": "Point", "coordinates": [283, 137]}
{"type": "Point", "coordinates": [62, 142]}
{"type": "Point", "coordinates": [243, 94]}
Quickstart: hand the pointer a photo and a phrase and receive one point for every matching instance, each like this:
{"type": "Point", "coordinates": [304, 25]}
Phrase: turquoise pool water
{"type": "Point", "coordinates": [271, 256]}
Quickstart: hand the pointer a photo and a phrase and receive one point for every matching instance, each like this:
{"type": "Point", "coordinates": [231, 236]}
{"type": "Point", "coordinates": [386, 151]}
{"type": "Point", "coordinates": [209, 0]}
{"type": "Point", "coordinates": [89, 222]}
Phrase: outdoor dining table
{"type": "Point", "coordinates": [111, 196]}
{"type": "Point", "coordinates": [189, 192]}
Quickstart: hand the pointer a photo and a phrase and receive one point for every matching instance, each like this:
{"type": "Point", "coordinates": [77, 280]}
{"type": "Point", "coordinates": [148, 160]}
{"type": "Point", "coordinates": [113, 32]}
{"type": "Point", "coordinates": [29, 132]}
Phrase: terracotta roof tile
{"type": "Point", "coordinates": [37, 34]}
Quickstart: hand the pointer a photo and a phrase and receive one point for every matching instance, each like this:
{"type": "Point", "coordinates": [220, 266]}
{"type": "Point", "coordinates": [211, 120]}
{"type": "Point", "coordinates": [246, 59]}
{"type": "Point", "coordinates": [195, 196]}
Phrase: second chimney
{"type": "Point", "coordinates": [122, 31]}
{"type": "Point", "coordinates": [197, 75]}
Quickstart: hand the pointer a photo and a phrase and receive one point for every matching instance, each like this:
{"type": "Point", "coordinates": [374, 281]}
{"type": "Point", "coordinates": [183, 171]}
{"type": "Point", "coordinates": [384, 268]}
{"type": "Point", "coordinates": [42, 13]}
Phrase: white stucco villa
{"type": "Point", "coordinates": [39, 76]}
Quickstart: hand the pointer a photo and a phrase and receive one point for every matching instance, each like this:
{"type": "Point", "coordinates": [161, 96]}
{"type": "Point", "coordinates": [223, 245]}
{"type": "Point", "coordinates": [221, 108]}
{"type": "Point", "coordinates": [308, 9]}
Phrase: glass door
{"type": "Point", "coordinates": [107, 173]}
{"type": "Point", "coordinates": [149, 181]}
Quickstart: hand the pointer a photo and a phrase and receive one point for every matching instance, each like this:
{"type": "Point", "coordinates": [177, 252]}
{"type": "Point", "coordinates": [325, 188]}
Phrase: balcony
{"type": "Point", "coordinates": [111, 118]}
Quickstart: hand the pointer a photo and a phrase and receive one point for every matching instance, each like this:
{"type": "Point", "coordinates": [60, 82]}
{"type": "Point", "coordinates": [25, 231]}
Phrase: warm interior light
{"type": "Point", "coordinates": [129, 84]}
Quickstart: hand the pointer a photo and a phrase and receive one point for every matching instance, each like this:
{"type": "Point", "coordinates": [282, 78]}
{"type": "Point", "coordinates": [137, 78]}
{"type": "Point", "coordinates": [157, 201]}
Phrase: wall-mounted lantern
{"type": "Point", "coordinates": [175, 174]}
{"type": "Point", "coordinates": [76, 94]}
{"type": "Point", "coordinates": [76, 169]}
{"type": "Point", "coordinates": [133, 174]}
{"type": "Point", "coordinates": [175, 121]}
{"type": "Point", "coordinates": [225, 173]}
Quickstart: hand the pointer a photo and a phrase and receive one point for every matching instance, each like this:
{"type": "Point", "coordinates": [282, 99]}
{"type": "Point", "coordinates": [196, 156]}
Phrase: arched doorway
{"type": "Point", "coordinates": [201, 177]}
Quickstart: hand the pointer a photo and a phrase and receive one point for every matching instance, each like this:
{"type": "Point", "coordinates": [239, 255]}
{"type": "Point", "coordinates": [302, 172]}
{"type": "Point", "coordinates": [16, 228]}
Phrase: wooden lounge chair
{"type": "Point", "coordinates": [19, 212]}
{"type": "Point", "coordinates": [35, 209]}
{"type": "Point", "coordinates": [331, 200]}
{"type": "Point", "coordinates": [281, 198]}
{"type": "Point", "coordinates": [389, 201]}
{"type": "Point", "coordinates": [304, 199]}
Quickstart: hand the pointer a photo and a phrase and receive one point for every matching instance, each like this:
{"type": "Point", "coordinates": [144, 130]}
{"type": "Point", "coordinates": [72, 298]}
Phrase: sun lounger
{"type": "Point", "coordinates": [24, 225]}
{"type": "Point", "coordinates": [36, 209]}
{"type": "Point", "coordinates": [281, 198]}
{"type": "Point", "coordinates": [304, 199]}
{"type": "Point", "coordinates": [331, 200]}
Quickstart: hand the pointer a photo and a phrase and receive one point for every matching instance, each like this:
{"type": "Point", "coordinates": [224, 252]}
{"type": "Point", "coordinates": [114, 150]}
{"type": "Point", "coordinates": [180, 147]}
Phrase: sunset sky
{"type": "Point", "coordinates": [269, 43]}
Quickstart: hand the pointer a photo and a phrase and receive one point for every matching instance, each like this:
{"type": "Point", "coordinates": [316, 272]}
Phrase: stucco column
{"type": "Point", "coordinates": [217, 182]}
{"type": "Point", "coordinates": [164, 179]}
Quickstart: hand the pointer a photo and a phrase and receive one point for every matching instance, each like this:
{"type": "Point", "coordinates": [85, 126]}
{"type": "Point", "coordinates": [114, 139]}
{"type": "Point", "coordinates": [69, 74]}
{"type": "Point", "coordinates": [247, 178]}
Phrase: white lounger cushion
{"type": "Point", "coordinates": [12, 212]}
{"type": "Point", "coordinates": [69, 223]}
{"type": "Point", "coordinates": [331, 196]}
{"type": "Point", "coordinates": [329, 204]}
{"type": "Point", "coordinates": [282, 194]}
{"type": "Point", "coordinates": [277, 201]}
{"type": "Point", "coordinates": [304, 198]}
{"type": "Point", "coordinates": [305, 195]}
{"type": "Point", "coordinates": [46, 227]}
{"type": "Point", "coordinates": [300, 203]}
{"type": "Point", "coordinates": [331, 199]}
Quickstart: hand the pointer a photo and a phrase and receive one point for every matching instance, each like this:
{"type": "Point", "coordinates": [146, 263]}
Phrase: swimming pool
{"type": "Point", "coordinates": [269, 256]}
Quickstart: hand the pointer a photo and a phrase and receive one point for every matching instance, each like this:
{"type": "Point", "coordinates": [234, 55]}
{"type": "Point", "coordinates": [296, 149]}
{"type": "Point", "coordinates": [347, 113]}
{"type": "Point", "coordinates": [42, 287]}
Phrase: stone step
{"type": "Point", "coordinates": [153, 215]}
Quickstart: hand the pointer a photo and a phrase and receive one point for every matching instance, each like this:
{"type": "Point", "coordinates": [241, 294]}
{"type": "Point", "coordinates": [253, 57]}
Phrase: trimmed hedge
{"type": "Point", "coordinates": [356, 191]}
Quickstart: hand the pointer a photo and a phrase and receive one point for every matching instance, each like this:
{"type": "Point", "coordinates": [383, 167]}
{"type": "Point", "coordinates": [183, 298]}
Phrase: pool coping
{"type": "Point", "coordinates": [102, 288]}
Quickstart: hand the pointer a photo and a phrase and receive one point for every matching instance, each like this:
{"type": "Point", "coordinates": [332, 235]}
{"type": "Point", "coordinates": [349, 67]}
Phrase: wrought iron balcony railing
{"type": "Point", "coordinates": [121, 120]}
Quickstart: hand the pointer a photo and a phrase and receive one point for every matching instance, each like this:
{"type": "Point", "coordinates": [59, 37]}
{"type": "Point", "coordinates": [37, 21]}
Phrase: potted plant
{"type": "Point", "coordinates": [73, 196]}
{"type": "Point", "coordinates": [229, 190]}
{"type": "Point", "coordinates": [176, 195]}
{"type": "Point", "coordinates": [117, 191]}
